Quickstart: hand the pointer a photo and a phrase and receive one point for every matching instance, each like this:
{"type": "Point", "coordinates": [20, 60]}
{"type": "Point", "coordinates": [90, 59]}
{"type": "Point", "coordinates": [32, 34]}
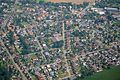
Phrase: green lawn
{"type": "Point", "coordinates": [40, 0]}
{"type": "Point", "coordinates": [111, 74]}
{"type": "Point", "coordinates": [62, 74]}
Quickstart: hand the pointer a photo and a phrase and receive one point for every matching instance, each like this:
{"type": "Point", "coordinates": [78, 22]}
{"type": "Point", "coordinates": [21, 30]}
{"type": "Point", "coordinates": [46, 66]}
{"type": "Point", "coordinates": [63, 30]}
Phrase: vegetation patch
{"type": "Point", "coordinates": [111, 74]}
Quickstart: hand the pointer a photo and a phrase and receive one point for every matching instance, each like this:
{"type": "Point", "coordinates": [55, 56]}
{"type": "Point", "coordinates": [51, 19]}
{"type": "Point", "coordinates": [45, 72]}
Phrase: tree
{"type": "Point", "coordinates": [76, 33]}
{"type": "Point", "coordinates": [4, 72]}
{"type": "Point", "coordinates": [116, 23]}
{"type": "Point", "coordinates": [25, 49]}
{"type": "Point", "coordinates": [10, 35]}
{"type": "Point", "coordinates": [58, 44]}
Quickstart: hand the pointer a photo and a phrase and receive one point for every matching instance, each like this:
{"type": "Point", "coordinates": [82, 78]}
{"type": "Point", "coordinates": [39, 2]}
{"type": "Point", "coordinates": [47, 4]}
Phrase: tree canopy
{"type": "Point", "coordinates": [4, 72]}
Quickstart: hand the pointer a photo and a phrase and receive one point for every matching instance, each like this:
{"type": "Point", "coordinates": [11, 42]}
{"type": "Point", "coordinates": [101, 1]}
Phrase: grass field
{"type": "Point", "coordinates": [73, 1]}
{"type": "Point", "coordinates": [66, 1]}
{"type": "Point", "coordinates": [111, 74]}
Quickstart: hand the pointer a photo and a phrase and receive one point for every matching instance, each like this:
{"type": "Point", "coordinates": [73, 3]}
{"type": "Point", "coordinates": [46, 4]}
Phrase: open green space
{"type": "Point", "coordinates": [62, 74]}
{"type": "Point", "coordinates": [111, 74]}
{"type": "Point", "coordinates": [40, 1]}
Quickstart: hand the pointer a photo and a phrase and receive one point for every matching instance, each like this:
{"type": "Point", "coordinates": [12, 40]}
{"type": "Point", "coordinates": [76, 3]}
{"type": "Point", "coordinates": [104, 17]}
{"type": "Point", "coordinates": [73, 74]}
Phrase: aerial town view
{"type": "Point", "coordinates": [59, 39]}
